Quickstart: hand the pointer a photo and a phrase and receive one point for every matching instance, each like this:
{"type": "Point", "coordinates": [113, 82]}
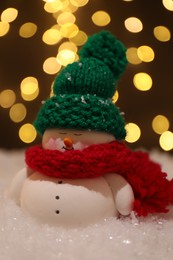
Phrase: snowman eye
{"type": "Point", "coordinates": [77, 134]}
{"type": "Point", "coordinates": [62, 133]}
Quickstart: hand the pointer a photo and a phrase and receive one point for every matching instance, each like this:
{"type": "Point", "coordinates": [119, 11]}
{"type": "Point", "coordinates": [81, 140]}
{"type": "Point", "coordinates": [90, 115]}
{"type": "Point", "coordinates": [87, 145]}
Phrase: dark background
{"type": "Point", "coordinates": [21, 57]}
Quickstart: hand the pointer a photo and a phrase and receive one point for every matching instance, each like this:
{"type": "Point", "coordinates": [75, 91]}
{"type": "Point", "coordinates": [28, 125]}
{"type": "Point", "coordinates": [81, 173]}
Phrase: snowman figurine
{"type": "Point", "coordinates": [77, 176]}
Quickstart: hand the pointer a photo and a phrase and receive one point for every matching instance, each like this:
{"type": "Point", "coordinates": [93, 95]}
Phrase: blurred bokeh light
{"type": "Point", "coordinates": [38, 40]}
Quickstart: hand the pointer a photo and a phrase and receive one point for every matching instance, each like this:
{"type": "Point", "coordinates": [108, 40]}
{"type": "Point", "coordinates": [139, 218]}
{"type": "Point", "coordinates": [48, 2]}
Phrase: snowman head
{"type": "Point", "coordinates": [82, 100]}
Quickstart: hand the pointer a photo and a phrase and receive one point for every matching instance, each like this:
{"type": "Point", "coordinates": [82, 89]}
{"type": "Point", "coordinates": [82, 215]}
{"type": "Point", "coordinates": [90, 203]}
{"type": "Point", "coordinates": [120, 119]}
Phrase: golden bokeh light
{"type": "Point", "coordinates": [76, 57]}
{"type": "Point", "coordinates": [142, 81]}
{"type": "Point", "coordinates": [168, 4]}
{"type": "Point", "coordinates": [53, 6]}
{"type": "Point", "coordinates": [66, 17]}
{"type": "Point", "coordinates": [27, 30]}
{"type": "Point", "coordinates": [162, 33]}
{"type": "Point", "coordinates": [48, 1]}
{"type": "Point", "coordinates": [133, 132]}
{"type": "Point", "coordinates": [133, 24]}
{"type": "Point", "coordinates": [132, 56]}
{"type": "Point", "coordinates": [80, 38]}
{"type": "Point", "coordinates": [51, 89]}
{"type": "Point", "coordinates": [70, 8]}
{"type": "Point", "coordinates": [79, 3]}
{"type": "Point", "coordinates": [65, 4]}
{"type": "Point", "coordinates": [68, 46]}
{"type": "Point", "coordinates": [7, 98]}
{"type": "Point", "coordinates": [101, 18]}
{"type": "Point", "coordinates": [56, 27]}
{"type": "Point", "coordinates": [17, 112]}
{"type": "Point", "coordinates": [145, 53]}
{"type": "Point", "coordinates": [55, 15]}
{"type": "Point", "coordinates": [115, 97]}
{"type": "Point", "coordinates": [27, 133]}
{"type": "Point", "coordinates": [4, 28]}
{"type": "Point", "coordinates": [160, 124]}
{"type": "Point", "coordinates": [51, 36]}
{"type": "Point", "coordinates": [9, 15]}
{"type": "Point", "coordinates": [29, 85]}
{"type": "Point", "coordinates": [69, 30]}
{"type": "Point", "coordinates": [51, 65]}
{"type": "Point", "coordinates": [166, 141]}
{"type": "Point", "coordinates": [62, 30]}
{"type": "Point", "coordinates": [30, 97]}
{"type": "Point", "coordinates": [66, 57]}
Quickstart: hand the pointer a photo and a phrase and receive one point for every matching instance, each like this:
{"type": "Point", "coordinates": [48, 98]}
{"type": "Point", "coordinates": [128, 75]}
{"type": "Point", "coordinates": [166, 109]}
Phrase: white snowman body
{"type": "Point", "coordinates": [72, 202]}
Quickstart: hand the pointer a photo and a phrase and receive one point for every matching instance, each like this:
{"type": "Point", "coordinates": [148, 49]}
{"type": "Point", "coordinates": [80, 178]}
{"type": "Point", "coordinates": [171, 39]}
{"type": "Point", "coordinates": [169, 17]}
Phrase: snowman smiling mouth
{"type": "Point", "coordinates": [68, 144]}
{"type": "Point", "coordinates": [67, 149]}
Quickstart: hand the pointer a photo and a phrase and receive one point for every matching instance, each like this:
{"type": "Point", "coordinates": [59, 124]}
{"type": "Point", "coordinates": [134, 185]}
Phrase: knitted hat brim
{"type": "Point", "coordinates": [85, 112]}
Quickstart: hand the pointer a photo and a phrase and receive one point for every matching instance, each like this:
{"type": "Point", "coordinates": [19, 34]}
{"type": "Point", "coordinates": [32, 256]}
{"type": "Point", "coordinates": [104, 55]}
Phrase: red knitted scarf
{"type": "Point", "coordinates": [153, 192]}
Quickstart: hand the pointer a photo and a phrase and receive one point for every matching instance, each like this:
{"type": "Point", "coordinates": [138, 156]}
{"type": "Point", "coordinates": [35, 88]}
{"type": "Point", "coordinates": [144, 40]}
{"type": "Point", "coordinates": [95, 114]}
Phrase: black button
{"type": "Point", "coordinates": [57, 197]}
{"type": "Point", "coordinates": [57, 211]}
{"type": "Point", "coordinates": [60, 182]}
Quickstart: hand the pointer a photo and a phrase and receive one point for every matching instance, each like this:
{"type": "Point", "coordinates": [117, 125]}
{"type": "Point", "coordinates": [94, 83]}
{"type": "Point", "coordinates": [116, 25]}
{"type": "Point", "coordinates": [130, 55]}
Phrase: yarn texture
{"type": "Point", "coordinates": [153, 192]}
{"type": "Point", "coordinates": [83, 90]}
{"type": "Point", "coordinates": [88, 76]}
{"type": "Point", "coordinates": [106, 47]}
{"type": "Point", "coordinates": [81, 111]}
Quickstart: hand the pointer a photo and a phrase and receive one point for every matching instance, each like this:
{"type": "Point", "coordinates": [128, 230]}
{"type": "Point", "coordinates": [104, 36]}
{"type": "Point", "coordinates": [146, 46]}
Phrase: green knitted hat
{"type": "Point", "coordinates": [83, 90]}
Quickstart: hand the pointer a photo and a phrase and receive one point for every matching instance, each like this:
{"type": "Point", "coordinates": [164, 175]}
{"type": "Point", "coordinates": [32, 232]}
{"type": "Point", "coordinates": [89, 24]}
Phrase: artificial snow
{"type": "Point", "coordinates": [83, 100]}
{"type": "Point", "coordinates": [21, 237]}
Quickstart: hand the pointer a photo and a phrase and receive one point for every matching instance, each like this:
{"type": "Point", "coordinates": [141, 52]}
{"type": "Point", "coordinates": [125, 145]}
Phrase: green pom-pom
{"type": "Point", "coordinates": [105, 47]}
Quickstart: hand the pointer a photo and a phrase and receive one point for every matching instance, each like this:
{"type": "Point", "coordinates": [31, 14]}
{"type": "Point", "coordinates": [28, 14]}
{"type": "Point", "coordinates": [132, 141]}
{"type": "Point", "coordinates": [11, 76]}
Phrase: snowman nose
{"type": "Point", "coordinates": [68, 143]}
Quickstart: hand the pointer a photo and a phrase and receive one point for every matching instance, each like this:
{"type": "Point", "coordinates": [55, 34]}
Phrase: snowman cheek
{"type": "Point", "coordinates": [53, 144]}
{"type": "Point", "coordinates": [49, 140]}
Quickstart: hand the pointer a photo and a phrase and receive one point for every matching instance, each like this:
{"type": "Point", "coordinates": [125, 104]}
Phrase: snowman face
{"type": "Point", "coordinates": [68, 139]}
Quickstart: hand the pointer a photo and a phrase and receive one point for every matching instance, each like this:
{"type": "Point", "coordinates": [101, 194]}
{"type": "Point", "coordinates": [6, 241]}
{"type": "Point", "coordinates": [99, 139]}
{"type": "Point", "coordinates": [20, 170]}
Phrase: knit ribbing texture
{"type": "Point", "coordinates": [81, 112]}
